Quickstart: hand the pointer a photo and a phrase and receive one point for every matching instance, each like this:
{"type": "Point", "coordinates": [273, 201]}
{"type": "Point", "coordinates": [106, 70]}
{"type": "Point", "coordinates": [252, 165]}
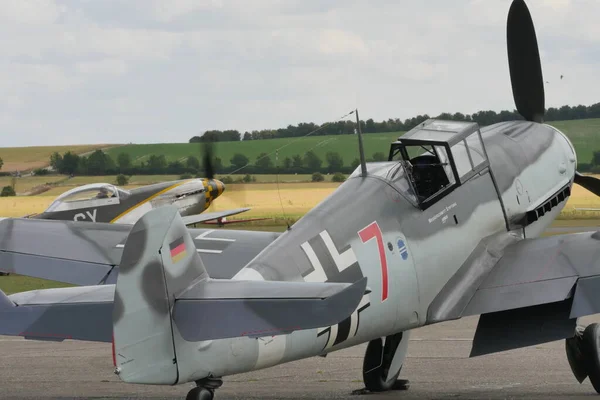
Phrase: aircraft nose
{"type": "Point", "coordinates": [220, 187]}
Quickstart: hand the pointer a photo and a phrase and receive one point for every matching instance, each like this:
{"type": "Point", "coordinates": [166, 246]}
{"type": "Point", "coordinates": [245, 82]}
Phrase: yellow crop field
{"type": "Point", "coordinates": [264, 199]}
{"type": "Point", "coordinates": [23, 205]}
{"type": "Point", "coordinates": [581, 198]}
{"type": "Point", "coordinates": [27, 158]}
{"type": "Point", "coordinates": [24, 185]}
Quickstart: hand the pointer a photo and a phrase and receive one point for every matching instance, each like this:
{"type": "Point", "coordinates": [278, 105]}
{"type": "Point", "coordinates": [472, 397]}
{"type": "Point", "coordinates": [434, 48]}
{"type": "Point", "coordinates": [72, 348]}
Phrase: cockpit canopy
{"type": "Point", "coordinates": [92, 195]}
{"type": "Point", "coordinates": [437, 156]}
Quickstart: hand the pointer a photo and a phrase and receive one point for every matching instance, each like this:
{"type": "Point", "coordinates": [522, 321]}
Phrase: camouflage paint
{"type": "Point", "coordinates": [367, 228]}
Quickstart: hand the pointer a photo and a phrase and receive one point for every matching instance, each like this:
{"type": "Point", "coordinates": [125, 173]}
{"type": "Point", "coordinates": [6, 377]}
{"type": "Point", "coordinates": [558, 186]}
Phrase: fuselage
{"type": "Point", "coordinates": [108, 203]}
{"type": "Point", "coordinates": [370, 226]}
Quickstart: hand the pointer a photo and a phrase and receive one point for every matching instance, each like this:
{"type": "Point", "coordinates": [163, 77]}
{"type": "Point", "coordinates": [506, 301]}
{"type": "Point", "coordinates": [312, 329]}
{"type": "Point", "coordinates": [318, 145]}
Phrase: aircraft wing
{"type": "Point", "coordinates": [525, 291]}
{"type": "Point", "coordinates": [157, 283]}
{"type": "Point", "coordinates": [85, 313]}
{"type": "Point", "coordinates": [84, 253]}
{"type": "Point", "coordinates": [208, 216]}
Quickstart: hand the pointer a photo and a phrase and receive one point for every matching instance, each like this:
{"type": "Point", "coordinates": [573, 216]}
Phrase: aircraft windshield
{"type": "Point", "coordinates": [93, 195]}
{"type": "Point", "coordinates": [468, 155]}
{"type": "Point", "coordinates": [395, 173]}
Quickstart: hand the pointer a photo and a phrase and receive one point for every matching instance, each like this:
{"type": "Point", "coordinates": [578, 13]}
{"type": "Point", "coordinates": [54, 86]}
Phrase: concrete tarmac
{"type": "Point", "coordinates": [437, 366]}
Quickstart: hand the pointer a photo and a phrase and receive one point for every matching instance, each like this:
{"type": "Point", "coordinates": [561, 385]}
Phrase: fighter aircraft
{"type": "Point", "coordinates": [104, 202]}
{"type": "Point", "coordinates": [448, 227]}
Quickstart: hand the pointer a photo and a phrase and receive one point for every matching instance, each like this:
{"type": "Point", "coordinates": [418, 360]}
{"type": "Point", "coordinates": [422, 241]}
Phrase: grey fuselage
{"type": "Point", "coordinates": [369, 227]}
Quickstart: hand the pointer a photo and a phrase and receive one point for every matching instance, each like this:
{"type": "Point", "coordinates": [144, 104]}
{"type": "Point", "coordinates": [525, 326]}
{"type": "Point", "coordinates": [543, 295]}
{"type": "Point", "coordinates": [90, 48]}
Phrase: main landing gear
{"type": "Point", "coordinates": [583, 353]}
{"type": "Point", "coordinates": [205, 389]}
{"type": "Point", "coordinates": [381, 367]}
{"type": "Point", "coordinates": [383, 362]}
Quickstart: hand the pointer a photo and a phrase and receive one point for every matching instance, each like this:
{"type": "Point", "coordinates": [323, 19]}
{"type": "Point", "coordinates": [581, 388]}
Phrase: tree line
{"type": "Point", "coordinates": [483, 118]}
{"type": "Point", "coordinates": [100, 163]}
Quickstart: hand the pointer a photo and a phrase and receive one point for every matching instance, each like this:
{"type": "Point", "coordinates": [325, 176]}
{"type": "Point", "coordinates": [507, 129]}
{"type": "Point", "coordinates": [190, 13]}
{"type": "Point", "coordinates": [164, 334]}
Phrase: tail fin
{"type": "Point", "coordinates": [164, 288]}
{"type": "Point", "coordinates": [159, 261]}
{"type": "Point", "coordinates": [5, 302]}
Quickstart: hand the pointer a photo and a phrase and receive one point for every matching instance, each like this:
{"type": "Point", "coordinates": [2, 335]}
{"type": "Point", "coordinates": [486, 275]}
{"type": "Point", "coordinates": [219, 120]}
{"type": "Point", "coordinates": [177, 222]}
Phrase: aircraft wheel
{"type": "Point", "coordinates": [377, 363]}
{"type": "Point", "coordinates": [200, 393]}
{"type": "Point", "coordinates": [576, 356]}
{"type": "Point", "coordinates": [591, 344]}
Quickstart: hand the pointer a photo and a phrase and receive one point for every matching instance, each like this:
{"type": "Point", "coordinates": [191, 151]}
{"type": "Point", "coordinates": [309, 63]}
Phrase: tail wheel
{"type": "Point", "coordinates": [199, 393]}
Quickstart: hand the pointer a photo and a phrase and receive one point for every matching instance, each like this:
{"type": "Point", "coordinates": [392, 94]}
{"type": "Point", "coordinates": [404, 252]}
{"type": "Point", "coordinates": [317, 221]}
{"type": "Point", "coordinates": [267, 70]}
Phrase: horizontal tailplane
{"type": "Point", "coordinates": [164, 295]}
{"type": "Point", "coordinates": [219, 309]}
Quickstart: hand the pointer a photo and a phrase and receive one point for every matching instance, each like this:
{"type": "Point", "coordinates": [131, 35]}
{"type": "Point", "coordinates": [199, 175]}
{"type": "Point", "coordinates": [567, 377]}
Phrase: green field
{"type": "Point", "coordinates": [346, 145]}
{"type": "Point", "coordinates": [27, 158]}
{"type": "Point", "coordinates": [585, 135]}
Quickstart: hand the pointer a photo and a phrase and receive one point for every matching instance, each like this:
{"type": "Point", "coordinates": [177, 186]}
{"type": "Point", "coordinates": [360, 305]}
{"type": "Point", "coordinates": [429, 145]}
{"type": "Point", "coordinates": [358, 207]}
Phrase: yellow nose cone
{"type": "Point", "coordinates": [214, 189]}
{"type": "Point", "coordinates": [220, 187]}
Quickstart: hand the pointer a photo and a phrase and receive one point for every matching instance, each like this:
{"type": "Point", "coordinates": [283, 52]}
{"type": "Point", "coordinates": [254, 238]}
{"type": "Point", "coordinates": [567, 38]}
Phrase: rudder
{"type": "Point", "coordinates": [159, 261]}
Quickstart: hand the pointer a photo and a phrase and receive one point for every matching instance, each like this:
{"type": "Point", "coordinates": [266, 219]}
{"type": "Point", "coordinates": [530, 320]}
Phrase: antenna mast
{"type": "Point", "coordinates": [361, 150]}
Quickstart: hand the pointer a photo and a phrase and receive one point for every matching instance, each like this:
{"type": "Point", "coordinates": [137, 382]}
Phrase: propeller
{"type": "Point", "coordinates": [208, 157]}
{"type": "Point", "coordinates": [526, 74]}
{"type": "Point", "coordinates": [524, 63]}
{"type": "Point", "coordinates": [207, 160]}
{"type": "Point", "coordinates": [589, 182]}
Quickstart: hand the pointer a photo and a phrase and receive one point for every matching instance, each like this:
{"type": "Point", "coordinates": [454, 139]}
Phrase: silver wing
{"type": "Point", "coordinates": [164, 276]}
{"type": "Point", "coordinates": [527, 292]}
{"type": "Point", "coordinates": [84, 253]}
{"type": "Point", "coordinates": [209, 216]}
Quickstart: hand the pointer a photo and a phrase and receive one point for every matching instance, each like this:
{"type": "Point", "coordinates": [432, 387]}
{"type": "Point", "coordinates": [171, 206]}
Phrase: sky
{"type": "Point", "coordinates": [153, 71]}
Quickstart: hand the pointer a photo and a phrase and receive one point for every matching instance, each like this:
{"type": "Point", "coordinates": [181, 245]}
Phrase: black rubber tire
{"type": "Point", "coordinates": [373, 378]}
{"type": "Point", "coordinates": [199, 393]}
{"type": "Point", "coordinates": [576, 358]}
{"type": "Point", "coordinates": [591, 341]}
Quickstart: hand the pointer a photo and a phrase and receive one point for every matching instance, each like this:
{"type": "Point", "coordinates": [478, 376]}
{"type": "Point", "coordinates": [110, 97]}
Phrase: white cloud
{"type": "Point", "coordinates": [162, 71]}
{"type": "Point", "coordinates": [102, 67]}
{"type": "Point", "coordinates": [336, 41]}
{"type": "Point", "coordinates": [29, 12]}
{"type": "Point", "coordinates": [166, 11]}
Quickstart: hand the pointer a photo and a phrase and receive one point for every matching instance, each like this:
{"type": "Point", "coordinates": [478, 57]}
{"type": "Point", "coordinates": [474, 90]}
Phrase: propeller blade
{"type": "Point", "coordinates": [589, 182]}
{"type": "Point", "coordinates": [524, 63]}
{"type": "Point", "coordinates": [207, 160]}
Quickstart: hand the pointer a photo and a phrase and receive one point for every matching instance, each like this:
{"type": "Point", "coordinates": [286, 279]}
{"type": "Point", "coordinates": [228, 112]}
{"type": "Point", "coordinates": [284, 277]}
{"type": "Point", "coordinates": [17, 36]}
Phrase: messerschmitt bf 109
{"type": "Point", "coordinates": [448, 227]}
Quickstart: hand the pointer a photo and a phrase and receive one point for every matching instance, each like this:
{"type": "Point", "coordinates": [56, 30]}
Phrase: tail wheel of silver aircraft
{"type": "Point", "coordinates": [205, 389]}
{"type": "Point", "coordinates": [199, 393]}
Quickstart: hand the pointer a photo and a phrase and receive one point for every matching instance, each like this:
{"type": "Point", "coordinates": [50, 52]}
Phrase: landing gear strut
{"type": "Point", "coordinates": [583, 353]}
{"type": "Point", "coordinates": [205, 389]}
{"type": "Point", "coordinates": [383, 362]}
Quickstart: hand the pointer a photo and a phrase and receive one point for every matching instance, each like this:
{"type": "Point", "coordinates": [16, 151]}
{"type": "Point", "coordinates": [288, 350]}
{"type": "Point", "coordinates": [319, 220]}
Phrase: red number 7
{"type": "Point", "coordinates": [367, 233]}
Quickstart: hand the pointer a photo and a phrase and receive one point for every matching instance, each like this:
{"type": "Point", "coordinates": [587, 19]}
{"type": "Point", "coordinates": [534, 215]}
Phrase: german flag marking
{"type": "Point", "coordinates": [178, 250]}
